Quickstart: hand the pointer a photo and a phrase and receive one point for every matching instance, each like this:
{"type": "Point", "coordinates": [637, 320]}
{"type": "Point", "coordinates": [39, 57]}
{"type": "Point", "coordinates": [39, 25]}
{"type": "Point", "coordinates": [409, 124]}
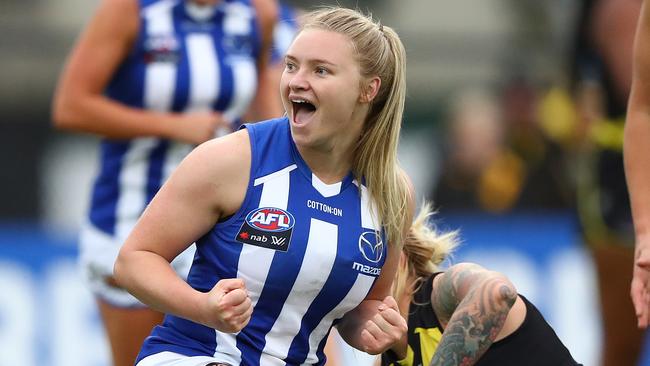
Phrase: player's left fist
{"type": "Point", "coordinates": [384, 329]}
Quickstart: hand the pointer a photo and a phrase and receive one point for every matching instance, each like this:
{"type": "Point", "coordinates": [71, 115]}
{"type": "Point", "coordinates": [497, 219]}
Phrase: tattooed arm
{"type": "Point", "coordinates": [472, 304]}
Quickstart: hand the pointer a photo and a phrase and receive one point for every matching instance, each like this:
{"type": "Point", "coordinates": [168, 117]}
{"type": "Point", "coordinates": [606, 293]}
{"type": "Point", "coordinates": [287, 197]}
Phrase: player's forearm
{"type": "Point", "coordinates": [99, 115]}
{"type": "Point", "coordinates": [637, 168]}
{"type": "Point", "coordinates": [475, 323]}
{"type": "Point", "coordinates": [151, 279]}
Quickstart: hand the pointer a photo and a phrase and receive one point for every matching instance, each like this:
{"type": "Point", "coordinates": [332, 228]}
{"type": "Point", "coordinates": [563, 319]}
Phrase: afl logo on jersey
{"type": "Point", "coordinates": [371, 246]}
{"type": "Point", "coordinates": [267, 227]}
{"type": "Point", "coordinates": [270, 219]}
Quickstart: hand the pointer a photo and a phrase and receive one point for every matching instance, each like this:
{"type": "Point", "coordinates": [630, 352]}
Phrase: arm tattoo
{"type": "Point", "coordinates": [477, 319]}
{"type": "Point", "coordinates": [445, 297]}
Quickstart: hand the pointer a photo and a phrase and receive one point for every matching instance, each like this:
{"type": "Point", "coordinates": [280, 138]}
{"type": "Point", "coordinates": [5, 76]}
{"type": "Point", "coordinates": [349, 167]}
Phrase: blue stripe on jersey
{"type": "Point", "coordinates": [227, 84]}
{"type": "Point", "coordinates": [106, 189]}
{"type": "Point", "coordinates": [121, 87]}
{"type": "Point", "coordinates": [144, 3]}
{"type": "Point", "coordinates": [211, 263]}
{"type": "Point", "coordinates": [170, 330]}
{"type": "Point", "coordinates": [268, 131]}
{"type": "Point", "coordinates": [256, 32]}
{"type": "Point", "coordinates": [181, 93]}
{"type": "Point", "coordinates": [322, 358]}
{"type": "Point", "coordinates": [125, 85]}
{"type": "Point", "coordinates": [155, 171]}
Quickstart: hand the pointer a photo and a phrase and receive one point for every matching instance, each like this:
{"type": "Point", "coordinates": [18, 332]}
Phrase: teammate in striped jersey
{"type": "Point", "coordinates": [154, 78]}
{"type": "Point", "coordinates": [298, 220]}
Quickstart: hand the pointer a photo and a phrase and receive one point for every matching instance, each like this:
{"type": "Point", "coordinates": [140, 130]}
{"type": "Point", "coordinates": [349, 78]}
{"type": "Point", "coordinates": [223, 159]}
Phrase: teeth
{"type": "Point", "coordinates": [299, 101]}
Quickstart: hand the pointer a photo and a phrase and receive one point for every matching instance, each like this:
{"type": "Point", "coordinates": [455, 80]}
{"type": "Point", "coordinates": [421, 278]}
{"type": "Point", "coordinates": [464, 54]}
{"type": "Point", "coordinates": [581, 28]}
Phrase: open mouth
{"type": "Point", "coordinates": [303, 110]}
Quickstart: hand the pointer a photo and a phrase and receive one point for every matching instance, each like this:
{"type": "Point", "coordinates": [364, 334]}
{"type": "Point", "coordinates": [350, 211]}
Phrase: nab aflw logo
{"type": "Point", "coordinates": [267, 227]}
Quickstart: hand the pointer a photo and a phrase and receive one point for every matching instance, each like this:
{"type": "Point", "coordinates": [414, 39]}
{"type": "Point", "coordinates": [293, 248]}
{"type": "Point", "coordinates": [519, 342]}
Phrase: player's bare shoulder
{"type": "Point", "coordinates": [223, 164]}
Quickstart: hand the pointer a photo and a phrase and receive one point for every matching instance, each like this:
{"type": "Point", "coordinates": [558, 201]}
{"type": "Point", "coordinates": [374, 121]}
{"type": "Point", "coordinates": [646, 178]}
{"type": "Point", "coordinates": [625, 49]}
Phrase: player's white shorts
{"type": "Point", "coordinates": [175, 359]}
{"type": "Point", "coordinates": [97, 254]}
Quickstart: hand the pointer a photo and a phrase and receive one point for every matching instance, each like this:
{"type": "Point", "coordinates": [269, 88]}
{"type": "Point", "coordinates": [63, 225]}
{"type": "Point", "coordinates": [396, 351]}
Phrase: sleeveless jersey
{"type": "Point", "coordinates": [534, 343]}
{"type": "Point", "coordinates": [185, 59]}
{"type": "Point", "coordinates": [308, 252]}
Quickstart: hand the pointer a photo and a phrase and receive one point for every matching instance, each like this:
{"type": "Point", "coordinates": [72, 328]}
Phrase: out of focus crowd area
{"type": "Point", "coordinates": [513, 128]}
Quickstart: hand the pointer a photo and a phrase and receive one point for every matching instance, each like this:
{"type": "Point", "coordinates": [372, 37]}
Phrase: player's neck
{"type": "Point", "coordinates": [329, 166]}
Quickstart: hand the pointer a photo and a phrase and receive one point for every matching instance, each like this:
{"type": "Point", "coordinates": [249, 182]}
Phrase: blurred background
{"type": "Point", "coordinates": [513, 128]}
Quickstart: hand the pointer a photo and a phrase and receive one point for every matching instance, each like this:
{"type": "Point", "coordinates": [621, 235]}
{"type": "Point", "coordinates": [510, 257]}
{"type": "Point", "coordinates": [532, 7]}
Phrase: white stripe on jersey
{"type": "Point", "coordinates": [327, 190]}
{"type": "Point", "coordinates": [275, 193]}
{"type": "Point", "coordinates": [227, 348]}
{"type": "Point", "coordinates": [156, 23]}
{"type": "Point", "coordinates": [361, 286]}
{"type": "Point", "coordinates": [283, 35]}
{"type": "Point", "coordinates": [204, 72]}
{"type": "Point", "coordinates": [160, 77]}
{"type": "Point", "coordinates": [237, 19]}
{"type": "Point", "coordinates": [369, 216]}
{"type": "Point", "coordinates": [272, 176]}
{"type": "Point", "coordinates": [159, 82]}
{"type": "Point", "coordinates": [316, 266]}
{"type": "Point", "coordinates": [132, 180]}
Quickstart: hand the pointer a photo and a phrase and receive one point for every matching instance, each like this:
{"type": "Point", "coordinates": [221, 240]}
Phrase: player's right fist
{"type": "Point", "coordinates": [228, 306]}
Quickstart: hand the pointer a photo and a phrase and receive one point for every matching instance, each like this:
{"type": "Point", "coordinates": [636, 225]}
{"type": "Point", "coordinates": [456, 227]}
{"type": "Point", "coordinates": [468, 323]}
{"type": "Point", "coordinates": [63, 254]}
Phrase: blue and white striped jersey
{"type": "Point", "coordinates": [308, 252]}
{"type": "Point", "coordinates": [185, 59]}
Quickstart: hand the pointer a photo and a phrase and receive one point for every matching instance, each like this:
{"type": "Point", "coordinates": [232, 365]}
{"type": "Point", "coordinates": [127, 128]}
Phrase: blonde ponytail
{"type": "Point", "coordinates": [424, 248]}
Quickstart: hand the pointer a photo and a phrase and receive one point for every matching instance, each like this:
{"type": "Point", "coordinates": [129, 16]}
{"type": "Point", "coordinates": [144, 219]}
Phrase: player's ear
{"type": "Point", "coordinates": [369, 89]}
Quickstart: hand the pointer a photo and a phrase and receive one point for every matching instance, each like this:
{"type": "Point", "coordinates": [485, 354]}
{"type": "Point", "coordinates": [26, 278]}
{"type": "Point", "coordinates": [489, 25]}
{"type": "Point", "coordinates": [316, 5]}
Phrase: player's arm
{"type": "Point", "coordinates": [472, 304]}
{"type": "Point", "coordinates": [376, 323]}
{"type": "Point", "coordinates": [616, 47]}
{"type": "Point", "coordinates": [79, 102]}
{"type": "Point", "coordinates": [267, 98]}
{"type": "Point", "coordinates": [200, 191]}
{"type": "Point", "coordinates": [637, 165]}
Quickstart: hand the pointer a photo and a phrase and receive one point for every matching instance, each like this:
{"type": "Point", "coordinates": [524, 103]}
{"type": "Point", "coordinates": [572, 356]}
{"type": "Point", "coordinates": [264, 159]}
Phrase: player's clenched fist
{"type": "Point", "coordinates": [640, 290]}
{"type": "Point", "coordinates": [228, 307]}
{"type": "Point", "coordinates": [384, 329]}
